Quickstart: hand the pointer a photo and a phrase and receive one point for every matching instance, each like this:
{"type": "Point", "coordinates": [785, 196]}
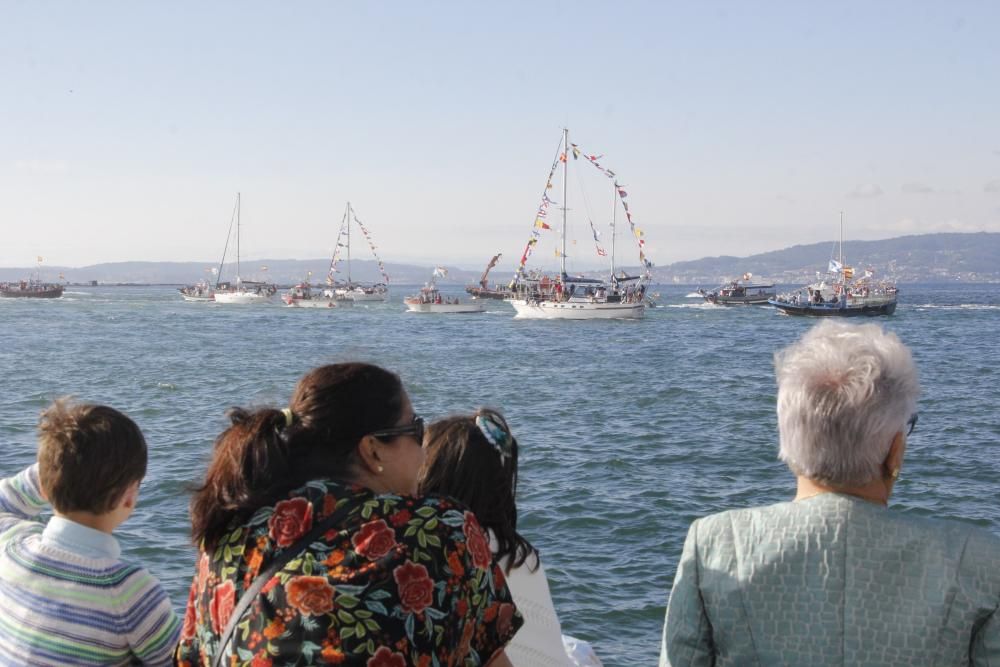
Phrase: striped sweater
{"type": "Point", "coordinates": [66, 598]}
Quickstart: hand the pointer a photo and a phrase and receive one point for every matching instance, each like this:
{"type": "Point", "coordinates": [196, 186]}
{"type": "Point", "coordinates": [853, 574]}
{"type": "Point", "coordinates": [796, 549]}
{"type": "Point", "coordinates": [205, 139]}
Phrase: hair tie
{"type": "Point", "coordinates": [495, 434]}
{"type": "Point", "coordinates": [289, 417]}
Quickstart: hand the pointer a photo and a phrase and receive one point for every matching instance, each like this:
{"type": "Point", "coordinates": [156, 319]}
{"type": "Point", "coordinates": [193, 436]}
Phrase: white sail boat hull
{"type": "Point", "coordinates": [318, 302]}
{"type": "Point", "coordinates": [241, 298]}
{"type": "Point", "coordinates": [576, 310]}
{"type": "Point", "coordinates": [359, 297]}
{"type": "Point", "coordinates": [445, 307]}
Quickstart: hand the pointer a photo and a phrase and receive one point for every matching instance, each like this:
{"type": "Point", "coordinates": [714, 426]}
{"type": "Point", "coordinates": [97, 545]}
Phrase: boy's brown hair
{"type": "Point", "coordinates": [88, 456]}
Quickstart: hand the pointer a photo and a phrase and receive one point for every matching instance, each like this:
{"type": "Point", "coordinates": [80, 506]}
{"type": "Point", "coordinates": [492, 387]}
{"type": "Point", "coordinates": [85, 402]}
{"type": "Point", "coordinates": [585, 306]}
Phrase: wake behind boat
{"type": "Point", "coordinates": [579, 298]}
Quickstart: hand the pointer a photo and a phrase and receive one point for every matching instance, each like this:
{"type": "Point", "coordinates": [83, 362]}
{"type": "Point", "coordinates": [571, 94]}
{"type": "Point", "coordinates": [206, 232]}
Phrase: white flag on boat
{"type": "Point", "coordinates": [440, 271]}
{"type": "Point", "coordinates": [835, 266]}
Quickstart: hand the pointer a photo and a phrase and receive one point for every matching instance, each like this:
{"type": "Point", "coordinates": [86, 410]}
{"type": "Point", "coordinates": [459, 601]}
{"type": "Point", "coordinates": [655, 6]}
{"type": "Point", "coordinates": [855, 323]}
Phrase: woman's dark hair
{"type": "Point", "coordinates": [464, 464]}
{"type": "Point", "coordinates": [260, 457]}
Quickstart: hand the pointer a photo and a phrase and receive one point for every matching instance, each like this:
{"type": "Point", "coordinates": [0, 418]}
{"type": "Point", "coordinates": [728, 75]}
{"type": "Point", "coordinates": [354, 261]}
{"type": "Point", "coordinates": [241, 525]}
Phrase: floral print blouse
{"type": "Point", "coordinates": [402, 581]}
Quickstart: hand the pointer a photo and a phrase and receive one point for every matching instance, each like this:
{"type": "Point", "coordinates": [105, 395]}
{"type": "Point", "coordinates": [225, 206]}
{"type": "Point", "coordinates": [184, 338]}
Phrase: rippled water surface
{"type": "Point", "coordinates": [629, 429]}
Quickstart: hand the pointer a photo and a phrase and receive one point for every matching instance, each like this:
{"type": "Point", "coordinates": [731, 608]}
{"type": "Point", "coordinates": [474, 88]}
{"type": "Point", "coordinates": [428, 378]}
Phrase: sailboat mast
{"type": "Point", "coordinates": [841, 242]}
{"type": "Point", "coordinates": [562, 262]}
{"type": "Point", "coordinates": [238, 280]}
{"type": "Point", "coordinates": [614, 227]}
{"type": "Point", "coordinates": [348, 243]}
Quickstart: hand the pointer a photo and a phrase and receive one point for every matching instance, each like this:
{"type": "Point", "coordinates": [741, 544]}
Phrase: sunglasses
{"type": "Point", "coordinates": [414, 428]}
{"type": "Point", "coordinates": [911, 423]}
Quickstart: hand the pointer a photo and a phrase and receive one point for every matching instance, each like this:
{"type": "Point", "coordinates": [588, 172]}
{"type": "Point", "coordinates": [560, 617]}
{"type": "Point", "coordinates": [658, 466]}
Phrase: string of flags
{"type": "Point", "coordinates": [597, 240]}
{"type": "Point", "coordinates": [543, 208]}
{"type": "Point", "coordinates": [540, 215]}
{"type": "Point", "coordinates": [335, 259]}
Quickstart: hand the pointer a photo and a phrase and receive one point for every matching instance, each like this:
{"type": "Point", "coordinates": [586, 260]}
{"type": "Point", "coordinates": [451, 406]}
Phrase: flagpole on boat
{"type": "Point", "coordinates": [238, 279]}
{"type": "Point", "coordinates": [562, 263]}
{"type": "Point", "coordinates": [348, 244]}
{"type": "Point", "coordinates": [614, 230]}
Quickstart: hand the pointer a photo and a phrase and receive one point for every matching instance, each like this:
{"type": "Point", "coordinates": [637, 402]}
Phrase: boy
{"type": "Point", "coordinates": [65, 597]}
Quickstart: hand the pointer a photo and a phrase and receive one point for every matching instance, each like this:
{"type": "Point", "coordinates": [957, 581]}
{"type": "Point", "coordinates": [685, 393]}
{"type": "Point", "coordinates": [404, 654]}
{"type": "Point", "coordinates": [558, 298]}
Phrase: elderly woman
{"type": "Point", "coordinates": [833, 577]}
{"type": "Point", "coordinates": [315, 548]}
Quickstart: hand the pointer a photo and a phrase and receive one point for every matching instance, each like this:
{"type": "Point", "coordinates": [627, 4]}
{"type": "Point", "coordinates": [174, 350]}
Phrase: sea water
{"type": "Point", "coordinates": [629, 429]}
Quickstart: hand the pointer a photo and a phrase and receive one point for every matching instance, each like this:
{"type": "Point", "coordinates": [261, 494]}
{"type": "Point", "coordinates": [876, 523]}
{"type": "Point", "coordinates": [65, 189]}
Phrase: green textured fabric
{"type": "Point", "coordinates": [833, 580]}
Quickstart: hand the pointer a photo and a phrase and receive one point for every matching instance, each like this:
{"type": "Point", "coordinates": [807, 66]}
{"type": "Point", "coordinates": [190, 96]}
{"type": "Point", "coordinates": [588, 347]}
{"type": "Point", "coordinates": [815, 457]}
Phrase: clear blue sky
{"type": "Point", "coordinates": [126, 128]}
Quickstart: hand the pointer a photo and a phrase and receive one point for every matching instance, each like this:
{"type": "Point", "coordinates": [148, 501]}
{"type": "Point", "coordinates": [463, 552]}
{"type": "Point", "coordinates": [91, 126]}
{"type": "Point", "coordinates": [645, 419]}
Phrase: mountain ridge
{"type": "Point", "coordinates": [967, 257]}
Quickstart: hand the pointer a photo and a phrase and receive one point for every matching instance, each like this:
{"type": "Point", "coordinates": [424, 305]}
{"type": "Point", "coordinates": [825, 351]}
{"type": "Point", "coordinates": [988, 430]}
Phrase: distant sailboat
{"type": "Point", "coordinates": [578, 298]}
{"type": "Point", "coordinates": [241, 291]}
{"type": "Point", "coordinates": [356, 291]}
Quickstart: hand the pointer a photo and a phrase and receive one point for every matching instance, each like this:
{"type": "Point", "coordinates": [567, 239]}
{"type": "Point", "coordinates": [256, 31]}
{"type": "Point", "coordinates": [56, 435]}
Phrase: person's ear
{"type": "Point", "coordinates": [894, 459]}
{"type": "Point", "coordinates": [368, 452]}
{"type": "Point", "coordinates": [131, 496]}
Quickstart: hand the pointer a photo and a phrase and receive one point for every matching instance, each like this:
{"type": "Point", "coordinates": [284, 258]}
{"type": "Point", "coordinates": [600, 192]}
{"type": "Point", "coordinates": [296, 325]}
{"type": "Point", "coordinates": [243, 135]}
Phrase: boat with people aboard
{"type": "Point", "coordinates": [484, 291]}
{"type": "Point", "coordinates": [201, 291]}
{"type": "Point", "coordinates": [304, 295]}
{"type": "Point", "coordinates": [240, 291]}
{"type": "Point", "coordinates": [430, 299]}
{"type": "Point", "coordinates": [844, 295]}
{"type": "Point", "coordinates": [579, 298]}
{"type": "Point", "coordinates": [31, 289]}
{"type": "Point", "coordinates": [740, 293]}
{"type": "Point", "coordinates": [351, 289]}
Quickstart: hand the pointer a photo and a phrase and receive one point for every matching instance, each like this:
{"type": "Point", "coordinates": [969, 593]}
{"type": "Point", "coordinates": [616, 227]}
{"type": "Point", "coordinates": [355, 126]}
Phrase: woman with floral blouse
{"type": "Point", "coordinates": [398, 580]}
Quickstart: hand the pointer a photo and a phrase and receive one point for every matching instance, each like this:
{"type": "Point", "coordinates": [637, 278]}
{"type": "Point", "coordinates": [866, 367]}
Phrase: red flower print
{"type": "Point", "coordinates": [332, 656]}
{"type": "Point", "coordinates": [221, 606]}
{"type": "Point", "coordinates": [504, 618]}
{"type": "Point", "coordinates": [415, 586]}
{"type": "Point", "coordinates": [374, 540]}
{"type": "Point", "coordinates": [455, 564]}
{"type": "Point", "coordinates": [465, 643]}
{"type": "Point", "coordinates": [190, 616]}
{"type": "Point", "coordinates": [312, 596]}
{"type": "Point", "coordinates": [261, 660]}
{"type": "Point", "coordinates": [476, 540]}
{"type": "Point", "coordinates": [329, 504]}
{"type": "Point", "coordinates": [385, 657]}
{"type": "Point", "coordinates": [400, 518]}
{"type": "Point", "coordinates": [269, 586]}
{"type": "Point", "coordinates": [290, 521]}
{"type": "Point", "coordinates": [204, 566]}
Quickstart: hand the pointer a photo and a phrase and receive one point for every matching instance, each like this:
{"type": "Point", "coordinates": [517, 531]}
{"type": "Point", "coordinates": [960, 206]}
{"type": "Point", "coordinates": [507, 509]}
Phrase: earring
{"type": "Point", "coordinates": [894, 474]}
{"type": "Point", "coordinates": [381, 469]}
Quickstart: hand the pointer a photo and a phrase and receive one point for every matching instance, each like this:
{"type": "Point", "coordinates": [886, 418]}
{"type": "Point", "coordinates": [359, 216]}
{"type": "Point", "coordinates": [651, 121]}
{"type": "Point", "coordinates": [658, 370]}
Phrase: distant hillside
{"type": "Point", "coordinates": [281, 271]}
{"type": "Point", "coordinates": [924, 258]}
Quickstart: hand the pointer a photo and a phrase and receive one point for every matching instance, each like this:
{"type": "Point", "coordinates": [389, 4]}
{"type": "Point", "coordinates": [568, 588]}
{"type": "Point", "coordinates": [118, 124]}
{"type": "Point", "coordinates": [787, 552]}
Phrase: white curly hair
{"type": "Point", "coordinates": [844, 391]}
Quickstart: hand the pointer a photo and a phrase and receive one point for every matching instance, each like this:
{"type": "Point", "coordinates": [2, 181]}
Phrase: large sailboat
{"type": "Point", "coordinates": [351, 289]}
{"type": "Point", "coordinates": [241, 291]}
{"type": "Point", "coordinates": [577, 298]}
{"type": "Point", "coordinates": [844, 295]}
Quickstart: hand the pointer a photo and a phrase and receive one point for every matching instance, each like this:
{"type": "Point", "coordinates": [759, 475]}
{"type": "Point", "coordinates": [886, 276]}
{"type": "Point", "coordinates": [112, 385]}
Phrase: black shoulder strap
{"type": "Point", "coordinates": [250, 594]}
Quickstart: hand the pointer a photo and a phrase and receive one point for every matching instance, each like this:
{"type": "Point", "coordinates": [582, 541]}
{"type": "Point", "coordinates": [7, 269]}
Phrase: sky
{"type": "Point", "coordinates": [127, 128]}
